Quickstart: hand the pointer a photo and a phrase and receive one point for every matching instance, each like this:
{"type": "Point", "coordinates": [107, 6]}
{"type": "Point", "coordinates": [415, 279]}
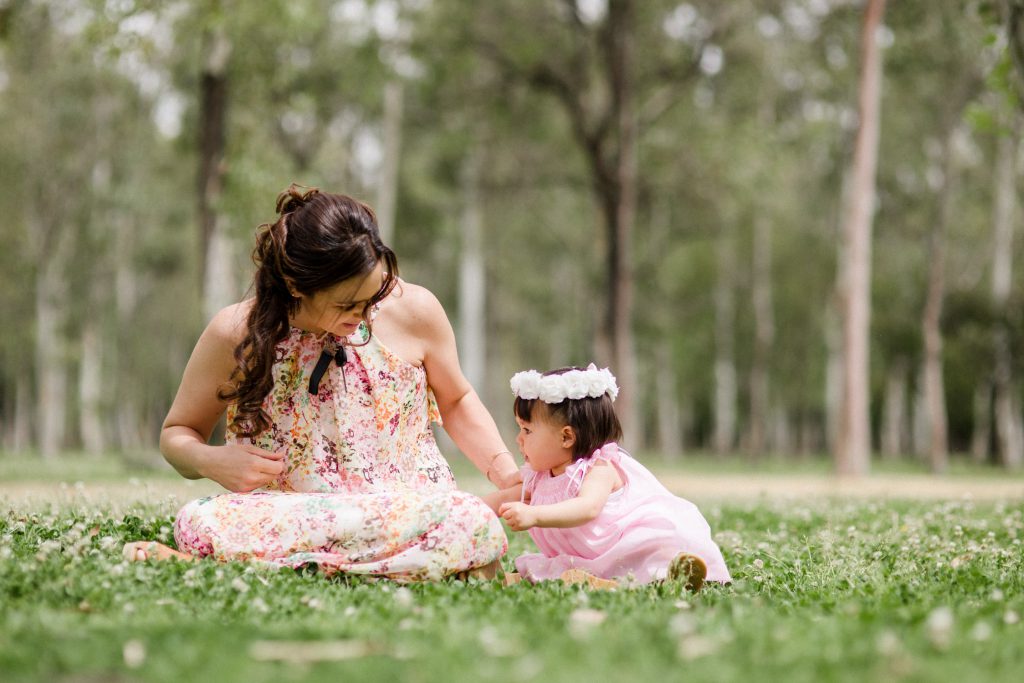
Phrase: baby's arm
{"type": "Point", "coordinates": [495, 499]}
{"type": "Point", "coordinates": [594, 492]}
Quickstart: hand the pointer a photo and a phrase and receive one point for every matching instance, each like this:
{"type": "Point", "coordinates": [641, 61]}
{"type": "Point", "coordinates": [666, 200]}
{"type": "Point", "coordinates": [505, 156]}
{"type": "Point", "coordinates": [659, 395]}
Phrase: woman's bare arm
{"type": "Point", "coordinates": [196, 410]}
{"type": "Point", "coordinates": [465, 418]}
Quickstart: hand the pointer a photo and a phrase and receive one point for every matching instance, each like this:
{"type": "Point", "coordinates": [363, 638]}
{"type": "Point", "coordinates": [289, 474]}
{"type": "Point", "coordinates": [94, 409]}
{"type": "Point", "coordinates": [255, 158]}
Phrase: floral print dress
{"type": "Point", "coordinates": [365, 489]}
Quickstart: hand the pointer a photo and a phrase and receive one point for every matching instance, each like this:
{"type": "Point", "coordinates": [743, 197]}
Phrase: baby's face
{"type": "Point", "coordinates": [543, 445]}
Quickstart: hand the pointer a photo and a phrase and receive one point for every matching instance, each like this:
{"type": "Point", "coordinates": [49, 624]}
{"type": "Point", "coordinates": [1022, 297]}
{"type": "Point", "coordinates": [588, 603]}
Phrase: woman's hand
{"type": "Point", "coordinates": [519, 516]}
{"type": "Point", "coordinates": [241, 468]}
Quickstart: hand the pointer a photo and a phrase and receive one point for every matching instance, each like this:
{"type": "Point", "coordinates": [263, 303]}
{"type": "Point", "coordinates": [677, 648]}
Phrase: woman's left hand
{"type": "Point", "coordinates": [518, 515]}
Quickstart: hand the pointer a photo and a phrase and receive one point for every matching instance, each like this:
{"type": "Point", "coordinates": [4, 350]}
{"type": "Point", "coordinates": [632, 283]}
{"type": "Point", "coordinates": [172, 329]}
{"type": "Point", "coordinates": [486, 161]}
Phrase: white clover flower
{"type": "Point", "coordinates": [583, 621]}
{"type": "Point", "coordinates": [134, 653]}
{"type": "Point", "coordinates": [939, 626]}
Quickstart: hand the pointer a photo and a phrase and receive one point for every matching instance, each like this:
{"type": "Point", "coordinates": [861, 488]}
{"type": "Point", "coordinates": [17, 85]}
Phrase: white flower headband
{"type": "Point", "coordinates": [574, 384]}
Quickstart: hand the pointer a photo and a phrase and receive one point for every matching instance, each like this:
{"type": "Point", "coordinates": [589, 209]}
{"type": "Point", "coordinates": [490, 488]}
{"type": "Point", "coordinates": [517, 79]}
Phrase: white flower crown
{"type": "Point", "coordinates": [574, 384]}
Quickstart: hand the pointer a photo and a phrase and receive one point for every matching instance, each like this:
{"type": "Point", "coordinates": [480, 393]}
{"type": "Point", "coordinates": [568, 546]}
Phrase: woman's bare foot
{"type": "Point", "coordinates": [688, 569]}
{"type": "Point", "coordinates": [512, 578]}
{"type": "Point", "coordinates": [591, 581]}
{"type": "Point", "coordinates": [139, 551]}
{"type": "Point", "coordinates": [488, 572]}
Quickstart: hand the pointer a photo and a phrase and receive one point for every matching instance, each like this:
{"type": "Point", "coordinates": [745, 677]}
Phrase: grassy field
{"type": "Point", "coordinates": [825, 590]}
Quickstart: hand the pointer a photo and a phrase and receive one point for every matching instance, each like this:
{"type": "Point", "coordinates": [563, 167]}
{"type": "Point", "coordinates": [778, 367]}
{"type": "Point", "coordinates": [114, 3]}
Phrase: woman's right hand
{"type": "Point", "coordinates": [241, 468]}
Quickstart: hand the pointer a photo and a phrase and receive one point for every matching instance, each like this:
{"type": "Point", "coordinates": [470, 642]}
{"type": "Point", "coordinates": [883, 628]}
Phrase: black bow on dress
{"type": "Point", "coordinates": [326, 356]}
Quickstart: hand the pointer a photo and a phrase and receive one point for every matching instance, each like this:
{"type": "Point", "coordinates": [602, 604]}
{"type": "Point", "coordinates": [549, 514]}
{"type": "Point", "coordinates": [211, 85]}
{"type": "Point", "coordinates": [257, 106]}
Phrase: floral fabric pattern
{"type": "Point", "coordinates": [365, 488]}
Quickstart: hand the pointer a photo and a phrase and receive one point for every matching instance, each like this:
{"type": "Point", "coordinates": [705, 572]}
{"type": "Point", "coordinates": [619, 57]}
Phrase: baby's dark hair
{"type": "Point", "coordinates": [593, 420]}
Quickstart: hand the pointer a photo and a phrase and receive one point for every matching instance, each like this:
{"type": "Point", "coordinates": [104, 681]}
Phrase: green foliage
{"type": "Point", "coordinates": [823, 590]}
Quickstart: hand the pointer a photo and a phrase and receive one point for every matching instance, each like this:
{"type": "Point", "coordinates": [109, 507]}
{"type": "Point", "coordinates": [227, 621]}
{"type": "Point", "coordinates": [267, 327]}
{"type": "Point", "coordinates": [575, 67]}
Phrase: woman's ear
{"type": "Point", "coordinates": [568, 437]}
{"type": "Point", "coordinates": [291, 289]}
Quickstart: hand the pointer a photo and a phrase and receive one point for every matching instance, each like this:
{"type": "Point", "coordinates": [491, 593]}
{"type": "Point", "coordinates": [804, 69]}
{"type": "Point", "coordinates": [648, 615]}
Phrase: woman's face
{"type": "Point", "coordinates": [340, 309]}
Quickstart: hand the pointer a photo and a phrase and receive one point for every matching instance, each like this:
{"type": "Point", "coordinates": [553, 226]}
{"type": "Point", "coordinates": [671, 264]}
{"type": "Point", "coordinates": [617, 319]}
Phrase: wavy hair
{"type": "Point", "coordinates": [318, 240]}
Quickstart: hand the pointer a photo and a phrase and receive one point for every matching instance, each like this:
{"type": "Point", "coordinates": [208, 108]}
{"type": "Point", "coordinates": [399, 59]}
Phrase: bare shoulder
{"type": "Point", "coordinates": [415, 307]}
{"type": "Point", "coordinates": [228, 326]}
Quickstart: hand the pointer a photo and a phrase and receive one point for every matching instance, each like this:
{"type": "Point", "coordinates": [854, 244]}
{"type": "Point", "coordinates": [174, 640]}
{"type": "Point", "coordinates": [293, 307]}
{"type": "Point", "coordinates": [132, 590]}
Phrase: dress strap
{"type": "Point", "coordinates": [608, 453]}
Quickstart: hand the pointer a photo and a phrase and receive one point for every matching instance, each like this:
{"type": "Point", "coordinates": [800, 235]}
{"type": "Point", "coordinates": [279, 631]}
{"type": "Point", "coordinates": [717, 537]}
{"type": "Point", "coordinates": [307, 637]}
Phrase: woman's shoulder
{"type": "Point", "coordinates": [228, 325]}
{"type": "Point", "coordinates": [413, 306]}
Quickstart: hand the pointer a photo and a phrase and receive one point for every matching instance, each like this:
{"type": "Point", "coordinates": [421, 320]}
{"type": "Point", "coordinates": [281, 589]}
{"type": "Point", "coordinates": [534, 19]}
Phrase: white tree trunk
{"type": "Point", "coordinates": [764, 335]}
{"type": "Point", "coordinates": [90, 388]}
{"type": "Point", "coordinates": [472, 278]}
{"type": "Point", "coordinates": [21, 429]}
{"type": "Point", "coordinates": [895, 429]}
{"type": "Point", "coordinates": [387, 189]}
{"type": "Point", "coordinates": [219, 281]}
{"type": "Point", "coordinates": [670, 435]}
{"type": "Point", "coordinates": [921, 426]}
{"type": "Point", "coordinates": [725, 365]}
{"type": "Point", "coordinates": [1009, 442]}
{"type": "Point", "coordinates": [853, 445]}
{"type": "Point", "coordinates": [981, 433]}
{"type": "Point", "coordinates": [51, 364]}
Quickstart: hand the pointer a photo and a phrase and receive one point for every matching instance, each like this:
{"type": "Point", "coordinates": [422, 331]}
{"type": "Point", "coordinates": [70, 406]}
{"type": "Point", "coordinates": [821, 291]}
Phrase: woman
{"type": "Point", "coordinates": [330, 377]}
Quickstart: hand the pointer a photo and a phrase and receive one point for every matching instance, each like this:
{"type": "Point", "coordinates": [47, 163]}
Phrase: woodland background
{"type": "Point", "coordinates": [663, 187]}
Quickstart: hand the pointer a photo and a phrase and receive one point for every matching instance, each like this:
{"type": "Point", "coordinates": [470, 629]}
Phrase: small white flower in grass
{"type": "Point", "coordinates": [583, 621]}
{"type": "Point", "coordinates": [682, 625]}
{"type": "Point", "coordinates": [1011, 618]}
{"type": "Point", "coordinates": [694, 647]}
{"type": "Point", "coordinates": [259, 605]}
{"type": "Point", "coordinates": [350, 611]}
{"type": "Point", "coordinates": [939, 627]}
{"type": "Point", "coordinates": [404, 597]}
{"type": "Point", "coordinates": [981, 631]}
{"type": "Point", "coordinates": [239, 585]}
{"type": "Point", "coordinates": [134, 653]}
{"type": "Point", "coordinates": [887, 643]}
{"type": "Point", "coordinates": [996, 595]}
{"type": "Point", "coordinates": [494, 644]}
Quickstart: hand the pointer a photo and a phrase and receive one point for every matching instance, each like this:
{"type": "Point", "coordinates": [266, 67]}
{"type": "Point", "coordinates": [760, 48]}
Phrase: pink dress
{"type": "Point", "coordinates": [641, 528]}
{"type": "Point", "coordinates": [365, 491]}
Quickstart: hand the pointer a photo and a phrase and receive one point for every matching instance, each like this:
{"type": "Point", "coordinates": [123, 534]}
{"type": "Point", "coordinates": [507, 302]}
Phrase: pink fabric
{"type": "Point", "coordinates": [641, 528]}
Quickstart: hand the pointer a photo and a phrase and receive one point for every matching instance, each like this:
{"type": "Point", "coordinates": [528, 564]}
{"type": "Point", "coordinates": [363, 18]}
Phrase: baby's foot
{"type": "Point", "coordinates": [139, 551]}
{"type": "Point", "coordinates": [688, 569]}
{"type": "Point", "coordinates": [591, 581]}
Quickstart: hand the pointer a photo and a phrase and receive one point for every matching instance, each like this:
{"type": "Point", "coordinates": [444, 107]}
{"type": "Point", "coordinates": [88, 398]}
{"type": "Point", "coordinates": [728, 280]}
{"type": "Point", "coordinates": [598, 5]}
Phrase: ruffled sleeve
{"type": "Point", "coordinates": [577, 471]}
{"type": "Point", "coordinates": [529, 482]}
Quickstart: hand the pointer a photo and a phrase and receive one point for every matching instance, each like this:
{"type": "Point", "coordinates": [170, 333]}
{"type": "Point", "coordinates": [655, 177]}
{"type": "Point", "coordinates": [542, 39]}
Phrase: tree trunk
{"type": "Point", "coordinates": [931, 331]}
{"type": "Point", "coordinates": [21, 432]}
{"type": "Point", "coordinates": [51, 365]}
{"type": "Point", "coordinates": [853, 445]}
{"type": "Point", "coordinates": [725, 364]}
{"type": "Point", "coordinates": [894, 415]}
{"type": "Point", "coordinates": [981, 432]}
{"type": "Point", "coordinates": [620, 229]}
{"type": "Point", "coordinates": [472, 277]}
{"type": "Point", "coordinates": [387, 190]}
{"type": "Point", "coordinates": [1009, 443]}
{"type": "Point", "coordinates": [764, 335]}
{"type": "Point", "coordinates": [215, 256]}
{"type": "Point", "coordinates": [670, 435]}
{"type": "Point", "coordinates": [90, 388]}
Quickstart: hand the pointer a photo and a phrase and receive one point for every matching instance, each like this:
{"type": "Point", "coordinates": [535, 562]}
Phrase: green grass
{"type": "Point", "coordinates": [824, 591]}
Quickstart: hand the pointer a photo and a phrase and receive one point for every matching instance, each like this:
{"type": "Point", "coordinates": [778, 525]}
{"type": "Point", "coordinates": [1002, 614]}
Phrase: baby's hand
{"type": "Point", "coordinates": [519, 516]}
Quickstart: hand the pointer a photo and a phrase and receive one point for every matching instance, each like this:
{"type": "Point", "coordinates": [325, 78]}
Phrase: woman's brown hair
{"type": "Point", "coordinates": [318, 240]}
{"type": "Point", "coordinates": [593, 420]}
